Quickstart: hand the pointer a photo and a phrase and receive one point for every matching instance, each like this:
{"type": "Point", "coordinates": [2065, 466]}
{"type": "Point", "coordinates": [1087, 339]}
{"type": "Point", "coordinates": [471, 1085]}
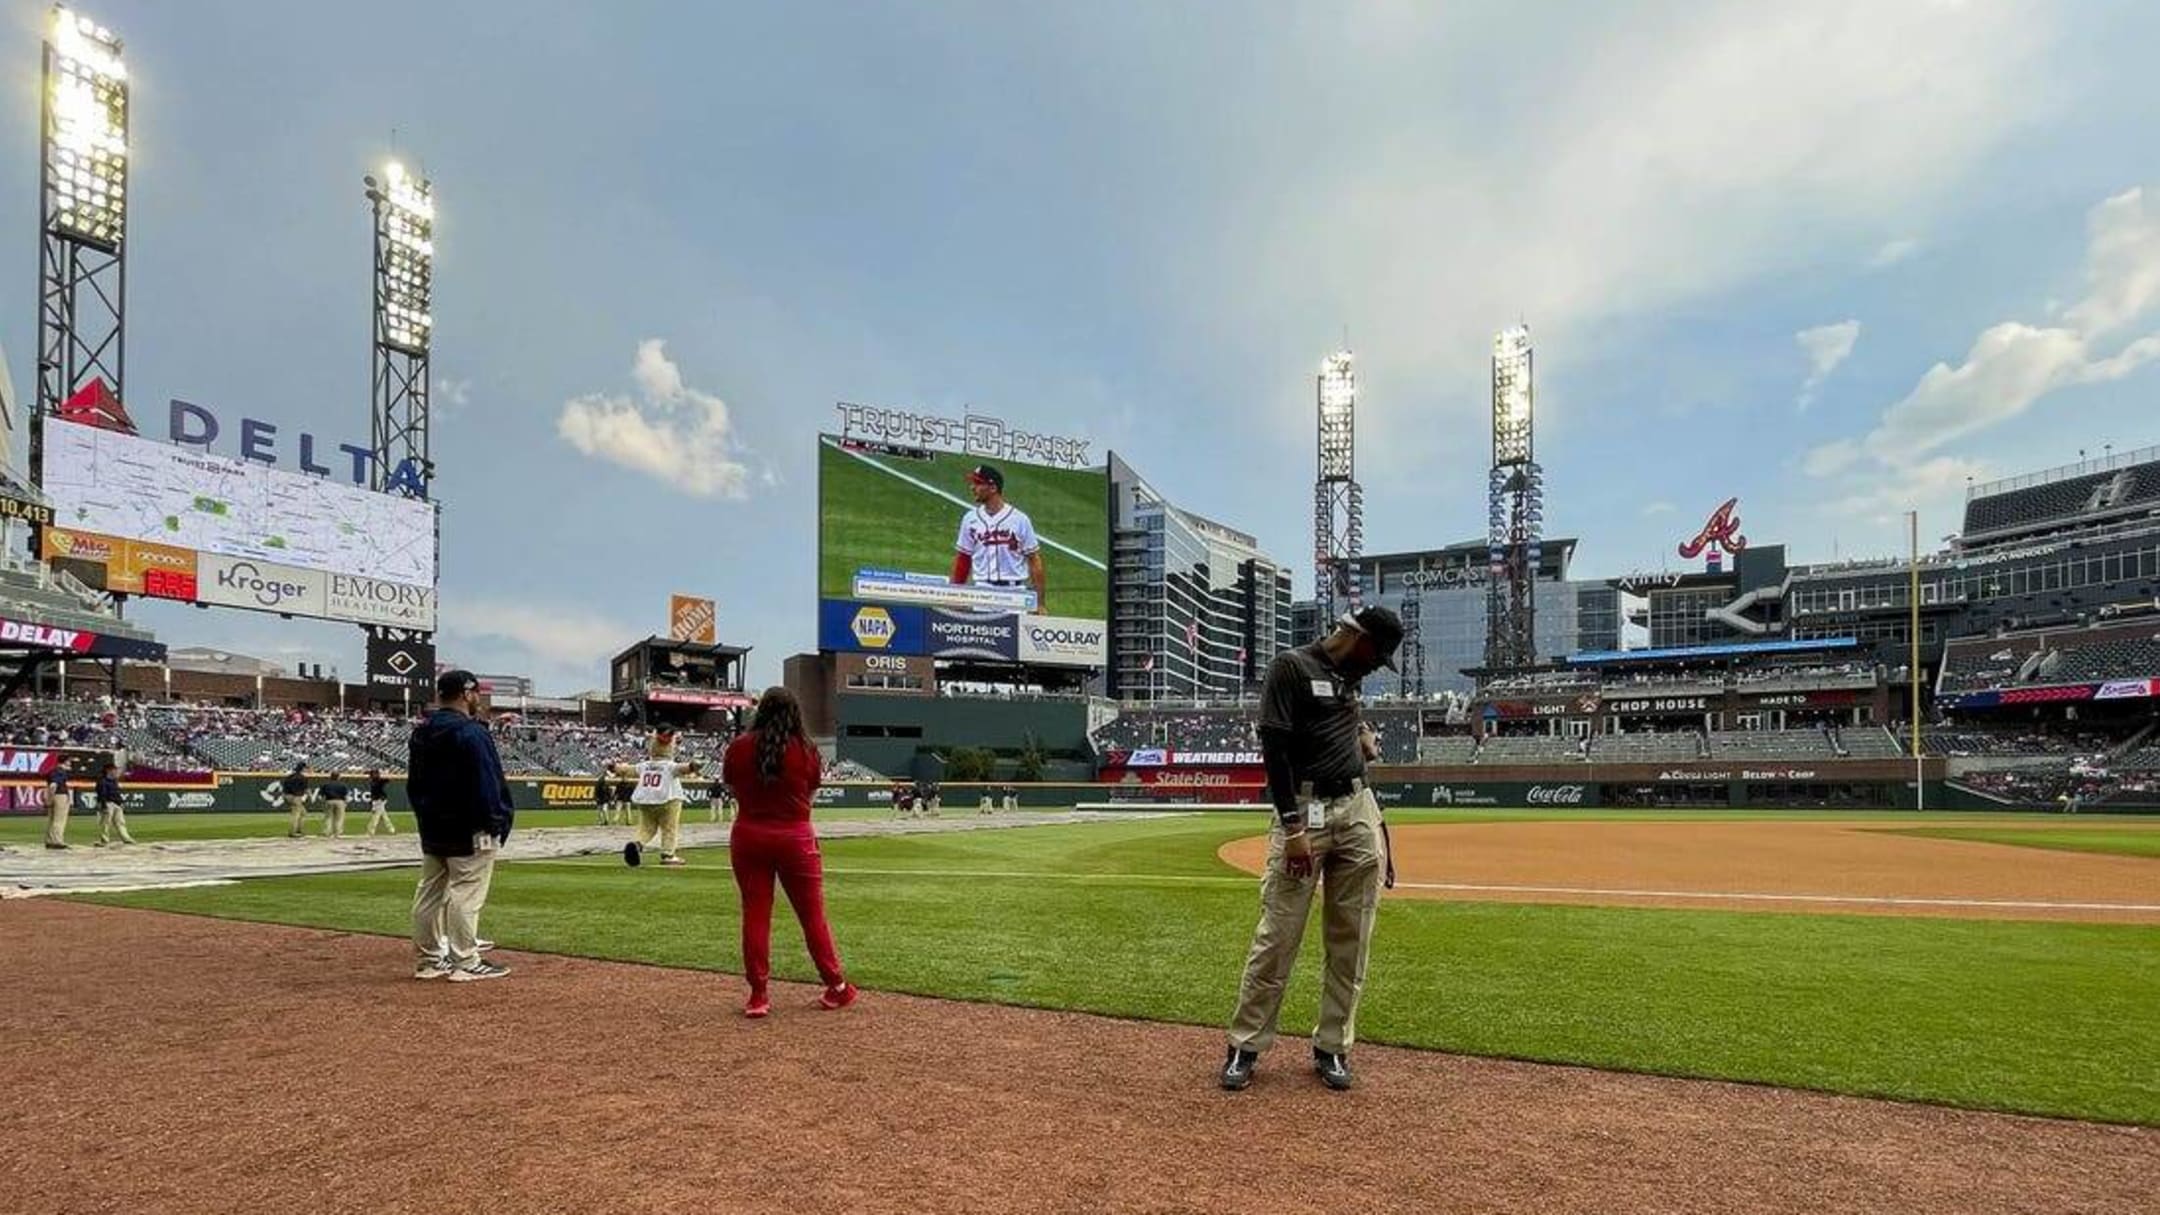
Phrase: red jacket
{"type": "Point", "coordinates": [786, 800]}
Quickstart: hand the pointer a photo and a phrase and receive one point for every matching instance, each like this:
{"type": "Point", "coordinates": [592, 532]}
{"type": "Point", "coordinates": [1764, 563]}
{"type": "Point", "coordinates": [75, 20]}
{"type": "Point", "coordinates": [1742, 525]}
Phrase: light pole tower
{"type": "Point", "coordinates": [82, 223]}
{"type": "Point", "coordinates": [1515, 508]}
{"type": "Point", "coordinates": [1338, 500]}
{"type": "Point", "coordinates": [404, 324]}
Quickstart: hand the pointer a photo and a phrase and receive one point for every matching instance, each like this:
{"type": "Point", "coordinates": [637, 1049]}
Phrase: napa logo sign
{"type": "Point", "coordinates": [873, 628]}
{"type": "Point", "coordinates": [852, 626]}
{"type": "Point", "coordinates": [192, 425]}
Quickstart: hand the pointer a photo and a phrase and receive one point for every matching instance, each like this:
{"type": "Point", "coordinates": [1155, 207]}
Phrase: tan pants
{"type": "Point", "coordinates": [1349, 860]}
{"type": "Point", "coordinates": [334, 818]}
{"type": "Point", "coordinates": [297, 807]}
{"type": "Point", "coordinates": [1012, 803]}
{"type": "Point", "coordinates": [379, 816]}
{"type": "Point", "coordinates": [664, 820]}
{"type": "Point", "coordinates": [57, 806]}
{"type": "Point", "coordinates": [446, 905]}
{"type": "Point", "coordinates": [111, 822]}
{"type": "Point", "coordinates": [985, 806]}
{"type": "Point", "coordinates": [934, 805]}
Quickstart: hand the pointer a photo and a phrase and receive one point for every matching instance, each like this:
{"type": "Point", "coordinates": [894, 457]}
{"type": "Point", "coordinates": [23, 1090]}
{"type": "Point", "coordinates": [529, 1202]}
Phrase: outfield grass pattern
{"type": "Point", "coordinates": [2115, 842]}
{"type": "Point", "coordinates": [870, 518]}
{"type": "Point", "coordinates": [1141, 920]}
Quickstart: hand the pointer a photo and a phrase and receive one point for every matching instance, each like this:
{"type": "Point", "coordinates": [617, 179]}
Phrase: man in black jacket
{"type": "Point", "coordinates": [455, 781]}
{"type": "Point", "coordinates": [336, 796]}
{"type": "Point", "coordinates": [112, 816]}
{"type": "Point", "coordinates": [295, 789]}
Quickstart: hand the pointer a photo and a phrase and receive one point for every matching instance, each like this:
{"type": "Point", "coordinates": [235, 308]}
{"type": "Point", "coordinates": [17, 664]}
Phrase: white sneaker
{"type": "Point", "coordinates": [477, 970]}
{"type": "Point", "coordinates": [431, 968]}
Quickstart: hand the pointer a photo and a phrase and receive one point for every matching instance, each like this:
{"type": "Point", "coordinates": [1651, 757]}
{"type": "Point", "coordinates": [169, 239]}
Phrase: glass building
{"type": "Point", "coordinates": [1196, 609]}
{"type": "Point", "coordinates": [1440, 594]}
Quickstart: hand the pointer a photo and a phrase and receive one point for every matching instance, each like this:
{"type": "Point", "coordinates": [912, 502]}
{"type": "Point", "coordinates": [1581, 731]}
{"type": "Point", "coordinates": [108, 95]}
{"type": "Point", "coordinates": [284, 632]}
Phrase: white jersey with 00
{"type": "Point", "coordinates": [659, 781]}
{"type": "Point", "coordinates": [997, 546]}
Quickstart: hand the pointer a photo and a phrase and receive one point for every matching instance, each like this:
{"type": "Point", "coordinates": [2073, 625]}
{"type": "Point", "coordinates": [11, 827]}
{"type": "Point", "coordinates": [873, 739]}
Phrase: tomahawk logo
{"type": "Point", "coordinates": [1721, 531]}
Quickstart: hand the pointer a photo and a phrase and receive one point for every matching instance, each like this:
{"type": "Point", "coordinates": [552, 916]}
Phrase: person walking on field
{"type": "Point", "coordinates": [112, 815]}
{"type": "Point", "coordinates": [378, 795]}
{"type": "Point", "coordinates": [59, 800]}
{"type": "Point", "coordinates": [462, 804]}
{"type": "Point", "coordinates": [1327, 832]}
{"type": "Point", "coordinates": [336, 795]}
{"type": "Point", "coordinates": [774, 771]}
{"type": "Point", "coordinates": [295, 789]}
{"type": "Point", "coordinates": [604, 799]}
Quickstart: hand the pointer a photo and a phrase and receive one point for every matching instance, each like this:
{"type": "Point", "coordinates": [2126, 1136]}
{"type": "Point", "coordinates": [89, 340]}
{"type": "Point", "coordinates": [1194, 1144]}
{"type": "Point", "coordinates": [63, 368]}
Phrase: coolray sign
{"type": "Point", "coordinates": [1659, 704]}
{"type": "Point", "coordinates": [261, 585]}
{"type": "Point", "coordinates": [1056, 641]}
{"type": "Point", "coordinates": [972, 434]}
{"type": "Point", "coordinates": [373, 601]}
{"type": "Point", "coordinates": [45, 636]}
{"type": "Point", "coordinates": [192, 425]}
{"type": "Point", "coordinates": [956, 635]}
{"type": "Point", "coordinates": [1556, 795]}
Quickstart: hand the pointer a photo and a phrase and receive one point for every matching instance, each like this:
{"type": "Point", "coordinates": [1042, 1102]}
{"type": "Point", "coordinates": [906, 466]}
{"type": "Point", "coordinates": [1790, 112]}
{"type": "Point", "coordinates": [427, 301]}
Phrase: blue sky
{"type": "Point", "coordinates": [1145, 224]}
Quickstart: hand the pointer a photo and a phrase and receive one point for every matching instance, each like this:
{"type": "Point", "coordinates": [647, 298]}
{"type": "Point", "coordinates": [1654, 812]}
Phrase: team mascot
{"type": "Point", "coordinates": [658, 798]}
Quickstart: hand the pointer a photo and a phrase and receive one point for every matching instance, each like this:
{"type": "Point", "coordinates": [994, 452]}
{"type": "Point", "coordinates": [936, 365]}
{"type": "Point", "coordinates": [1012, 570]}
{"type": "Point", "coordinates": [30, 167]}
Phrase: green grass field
{"type": "Point", "coordinates": [869, 517]}
{"type": "Point", "coordinates": [29, 830]}
{"type": "Point", "coordinates": [1140, 919]}
{"type": "Point", "coordinates": [2117, 841]}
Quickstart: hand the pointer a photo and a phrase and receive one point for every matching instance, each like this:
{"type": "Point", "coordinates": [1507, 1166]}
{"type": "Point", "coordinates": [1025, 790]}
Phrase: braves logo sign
{"type": "Point", "coordinates": [1721, 531]}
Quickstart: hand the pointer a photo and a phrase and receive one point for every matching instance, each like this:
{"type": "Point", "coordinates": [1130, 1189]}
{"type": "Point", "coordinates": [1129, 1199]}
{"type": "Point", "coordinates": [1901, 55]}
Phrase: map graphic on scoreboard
{"type": "Point", "coordinates": [126, 486]}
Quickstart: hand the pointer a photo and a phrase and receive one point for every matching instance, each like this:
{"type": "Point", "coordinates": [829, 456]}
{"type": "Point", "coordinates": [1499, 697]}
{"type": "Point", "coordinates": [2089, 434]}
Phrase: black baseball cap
{"type": "Point", "coordinates": [1382, 625]}
{"type": "Point", "coordinates": [988, 473]}
{"type": "Point", "coordinates": [455, 683]}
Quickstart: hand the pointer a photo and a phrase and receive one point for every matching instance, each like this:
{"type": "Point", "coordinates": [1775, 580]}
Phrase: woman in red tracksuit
{"type": "Point", "coordinates": [774, 772]}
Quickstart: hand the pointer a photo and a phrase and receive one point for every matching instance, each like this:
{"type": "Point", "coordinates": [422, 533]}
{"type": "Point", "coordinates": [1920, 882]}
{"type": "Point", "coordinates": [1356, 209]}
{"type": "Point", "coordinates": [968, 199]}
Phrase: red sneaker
{"type": "Point", "coordinates": [838, 997]}
{"type": "Point", "coordinates": [758, 1007]}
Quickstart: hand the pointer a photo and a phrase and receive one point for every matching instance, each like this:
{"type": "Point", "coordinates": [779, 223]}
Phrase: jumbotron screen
{"type": "Point", "coordinates": [892, 521]}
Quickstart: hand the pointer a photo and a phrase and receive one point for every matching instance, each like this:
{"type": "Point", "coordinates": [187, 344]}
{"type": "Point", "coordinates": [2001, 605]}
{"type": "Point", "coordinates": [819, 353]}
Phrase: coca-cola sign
{"type": "Point", "coordinates": [1556, 795]}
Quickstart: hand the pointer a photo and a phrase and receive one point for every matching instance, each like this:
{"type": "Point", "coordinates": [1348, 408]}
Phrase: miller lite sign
{"type": "Point", "coordinates": [1720, 534]}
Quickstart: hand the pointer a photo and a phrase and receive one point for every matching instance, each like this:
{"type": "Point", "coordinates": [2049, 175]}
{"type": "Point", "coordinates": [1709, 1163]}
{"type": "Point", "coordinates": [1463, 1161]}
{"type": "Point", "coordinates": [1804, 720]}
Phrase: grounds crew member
{"type": "Point", "coordinates": [462, 804]}
{"type": "Point", "coordinates": [1327, 832]}
{"type": "Point", "coordinates": [112, 816]}
{"type": "Point", "coordinates": [604, 797]}
{"type": "Point", "coordinates": [378, 795]}
{"type": "Point", "coordinates": [336, 795]}
{"type": "Point", "coordinates": [295, 789]}
{"type": "Point", "coordinates": [59, 800]}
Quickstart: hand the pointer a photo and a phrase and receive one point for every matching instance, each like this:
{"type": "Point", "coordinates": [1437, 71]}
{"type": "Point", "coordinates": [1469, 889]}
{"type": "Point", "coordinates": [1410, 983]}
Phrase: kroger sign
{"type": "Point", "coordinates": [193, 425]}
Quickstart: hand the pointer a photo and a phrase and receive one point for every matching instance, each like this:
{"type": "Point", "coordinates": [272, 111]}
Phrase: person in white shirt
{"type": "Point", "coordinates": [997, 545]}
{"type": "Point", "coordinates": [658, 798]}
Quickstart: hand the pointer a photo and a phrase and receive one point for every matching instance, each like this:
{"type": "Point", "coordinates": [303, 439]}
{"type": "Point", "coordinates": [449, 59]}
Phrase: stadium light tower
{"type": "Point", "coordinates": [82, 219]}
{"type": "Point", "coordinates": [1515, 502]}
{"type": "Point", "coordinates": [1338, 500]}
{"type": "Point", "coordinates": [404, 323]}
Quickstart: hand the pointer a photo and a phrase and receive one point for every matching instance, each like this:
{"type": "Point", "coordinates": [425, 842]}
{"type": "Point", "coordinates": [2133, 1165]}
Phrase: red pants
{"type": "Point", "coordinates": [760, 852]}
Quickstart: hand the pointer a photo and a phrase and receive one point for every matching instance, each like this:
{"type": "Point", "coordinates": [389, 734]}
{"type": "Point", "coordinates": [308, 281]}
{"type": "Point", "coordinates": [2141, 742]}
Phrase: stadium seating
{"type": "Point", "coordinates": [1771, 744]}
{"type": "Point", "coordinates": [1646, 748]}
{"type": "Point", "coordinates": [1450, 749]}
{"type": "Point", "coordinates": [1530, 749]}
{"type": "Point", "coordinates": [1867, 742]}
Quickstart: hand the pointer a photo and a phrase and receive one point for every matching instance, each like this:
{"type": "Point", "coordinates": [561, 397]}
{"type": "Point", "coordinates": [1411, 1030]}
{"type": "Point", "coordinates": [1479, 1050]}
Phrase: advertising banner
{"type": "Point", "coordinates": [400, 663]}
{"type": "Point", "coordinates": [692, 619]}
{"type": "Point", "coordinates": [851, 626]}
{"type": "Point", "coordinates": [2126, 689]}
{"type": "Point", "coordinates": [959, 635]}
{"type": "Point", "coordinates": [373, 601]}
{"type": "Point", "coordinates": [262, 585]}
{"type": "Point", "coordinates": [37, 514]}
{"type": "Point", "coordinates": [1063, 642]}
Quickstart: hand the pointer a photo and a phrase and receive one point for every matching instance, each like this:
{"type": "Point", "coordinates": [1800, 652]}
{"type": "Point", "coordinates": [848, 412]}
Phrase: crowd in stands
{"type": "Point", "coordinates": [1235, 728]}
{"type": "Point", "coordinates": [2067, 656]}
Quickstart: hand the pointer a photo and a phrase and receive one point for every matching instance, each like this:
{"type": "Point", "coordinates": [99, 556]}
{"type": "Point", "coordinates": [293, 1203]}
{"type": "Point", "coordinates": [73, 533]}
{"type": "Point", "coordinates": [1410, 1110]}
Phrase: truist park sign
{"type": "Point", "coordinates": [972, 434]}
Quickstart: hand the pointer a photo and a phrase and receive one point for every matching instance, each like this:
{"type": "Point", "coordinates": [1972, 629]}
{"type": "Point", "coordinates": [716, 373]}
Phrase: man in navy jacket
{"type": "Point", "coordinates": [455, 780]}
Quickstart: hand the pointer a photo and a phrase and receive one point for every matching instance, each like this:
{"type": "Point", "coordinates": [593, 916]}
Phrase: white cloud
{"type": "Point", "coordinates": [2009, 368]}
{"type": "Point", "coordinates": [677, 433]}
{"type": "Point", "coordinates": [1652, 509]}
{"type": "Point", "coordinates": [1826, 347]}
{"type": "Point", "coordinates": [2122, 263]}
{"type": "Point", "coordinates": [1832, 458]}
{"type": "Point", "coordinates": [1894, 251]}
{"type": "Point", "coordinates": [1935, 487]}
{"type": "Point", "coordinates": [454, 393]}
{"type": "Point", "coordinates": [565, 638]}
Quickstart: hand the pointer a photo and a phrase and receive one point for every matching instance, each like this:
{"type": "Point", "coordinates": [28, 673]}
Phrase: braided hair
{"type": "Point", "coordinates": [777, 722]}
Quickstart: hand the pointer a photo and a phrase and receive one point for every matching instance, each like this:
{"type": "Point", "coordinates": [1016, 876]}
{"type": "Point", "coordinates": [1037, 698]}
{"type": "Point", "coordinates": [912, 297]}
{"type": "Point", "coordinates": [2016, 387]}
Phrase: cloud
{"type": "Point", "coordinates": [1658, 508]}
{"type": "Point", "coordinates": [1893, 252]}
{"type": "Point", "coordinates": [572, 641]}
{"type": "Point", "coordinates": [454, 393]}
{"type": "Point", "coordinates": [1826, 346]}
{"type": "Point", "coordinates": [1935, 487]}
{"type": "Point", "coordinates": [2009, 368]}
{"type": "Point", "coordinates": [674, 432]}
{"type": "Point", "coordinates": [1832, 458]}
{"type": "Point", "coordinates": [2122, 263]}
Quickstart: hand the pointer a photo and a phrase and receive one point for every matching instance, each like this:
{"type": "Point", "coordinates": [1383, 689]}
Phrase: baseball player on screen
{"type": "Point", "coordinates": [997, 545]}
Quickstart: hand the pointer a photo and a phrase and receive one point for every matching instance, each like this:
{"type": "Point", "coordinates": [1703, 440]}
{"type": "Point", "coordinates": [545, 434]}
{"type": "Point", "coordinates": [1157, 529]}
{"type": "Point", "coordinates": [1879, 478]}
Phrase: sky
{"type": "Point", "coordinates": [1832, 258]}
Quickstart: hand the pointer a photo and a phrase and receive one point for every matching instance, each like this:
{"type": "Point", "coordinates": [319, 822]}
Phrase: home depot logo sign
{"type": "Point", "coordinates": [691, 619]}
{"type": "Point", "coordinates": [1720, 532]}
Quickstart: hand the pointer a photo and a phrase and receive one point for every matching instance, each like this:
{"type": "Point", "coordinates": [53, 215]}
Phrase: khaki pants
{"type": "Point", "coordinates": [57, 806]}
{"type": "Point", "coordinates": [379, 816]}
{"type": "Point", "coordinates": [297, 807]}
{"type": "Point", "coordinates": [936, 804]}
{"type": "Point", "coordinates": [1012, 803]}
{"type": "Point", "coordinates": [334, 818]}
{"type": "Point", "coordinates": [446, 906]}
{"type": "Point", "coordinates": [1349, 860]}
{"type": "Point", "coordinates": [664, 820]}
{"type": "Point", "coordinates": [985, 806]}
{"type": "Point", "coordinates": [111, 822]}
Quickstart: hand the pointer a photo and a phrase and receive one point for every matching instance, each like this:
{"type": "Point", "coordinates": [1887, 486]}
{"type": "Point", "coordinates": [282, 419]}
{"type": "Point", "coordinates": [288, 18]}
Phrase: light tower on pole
{"type": "Point", "coordinates": [82, 228]}
{"type": "Point", "coordinates": [1515, 507]}
{"type": "Point", "coordinates": [404, 323]}
{"type": "Point", "coordinates": [1338, 500]}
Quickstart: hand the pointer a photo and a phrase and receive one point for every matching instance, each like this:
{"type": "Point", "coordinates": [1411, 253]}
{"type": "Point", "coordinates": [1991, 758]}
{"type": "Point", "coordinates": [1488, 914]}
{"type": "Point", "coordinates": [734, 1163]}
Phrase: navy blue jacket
{"type": "Point", "coordinates": [455, 781]}
{"type": "Point", "coordinates": [108, 789]}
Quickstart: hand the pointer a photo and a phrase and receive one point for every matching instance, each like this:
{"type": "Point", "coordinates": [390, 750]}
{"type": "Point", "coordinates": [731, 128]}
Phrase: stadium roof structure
{"type": "Point", "coordinates": [1690, 653]}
